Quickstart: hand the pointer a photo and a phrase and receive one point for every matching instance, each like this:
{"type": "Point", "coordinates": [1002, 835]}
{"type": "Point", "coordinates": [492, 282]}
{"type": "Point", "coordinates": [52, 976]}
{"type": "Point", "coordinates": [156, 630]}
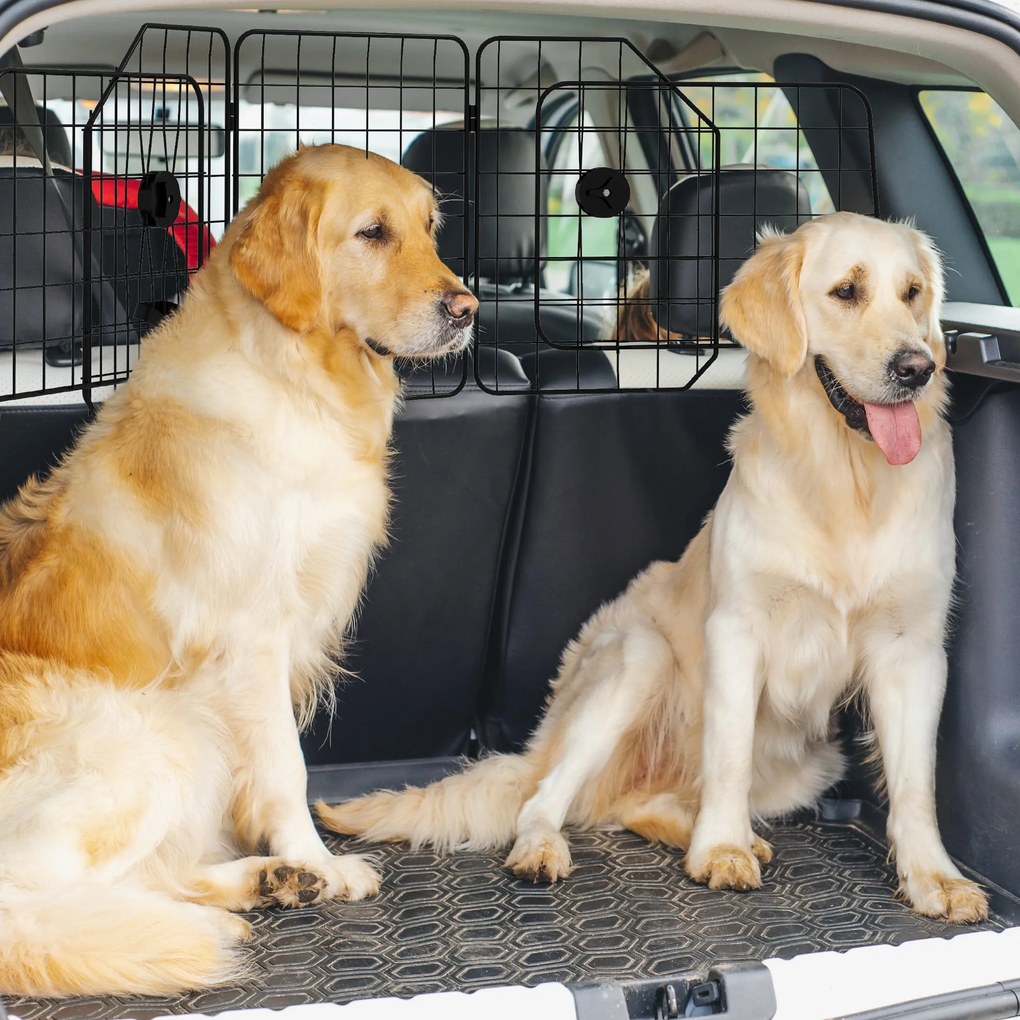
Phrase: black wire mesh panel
{"type": "Point", "coordinates": [788, 152]}
{"type": "Point", "coordinates": [203, 54]}
{"type": "Point", "coordinates": [602, 198]}
{"type": "Point", "coordinates": [613, 204]}
{"type": "Point", "coordinates": [386, 94]}
{"type": "Point", "coordinates": [138, 195]}
{"type": "Point", "coordinates": [77, 260]}
{"type": "Point", "coordinates": [149, 131]}
{"type": "Point", "coordinates": [562, 171]}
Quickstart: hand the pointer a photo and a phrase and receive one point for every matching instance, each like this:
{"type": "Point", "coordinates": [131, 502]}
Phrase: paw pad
{"type": "Point", "coordinates": [288, 886]}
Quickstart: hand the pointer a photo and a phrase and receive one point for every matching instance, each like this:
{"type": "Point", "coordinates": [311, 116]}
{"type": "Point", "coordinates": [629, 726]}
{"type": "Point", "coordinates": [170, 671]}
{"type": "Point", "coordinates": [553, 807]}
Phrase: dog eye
{"type": "Point", "coordinates": [912, 292]}
{"type": "Point", "coordinates": [373, 233]}
{"type": "Point", "coordinates": [845, 292]}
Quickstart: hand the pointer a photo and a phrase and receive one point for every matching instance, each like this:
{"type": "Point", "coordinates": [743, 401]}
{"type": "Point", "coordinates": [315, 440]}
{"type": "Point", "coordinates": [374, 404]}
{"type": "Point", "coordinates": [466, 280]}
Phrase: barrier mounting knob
{"type": "Point", "coordinates": [159, 198]}
{"type": "Point", "coordinates": [602, 191]}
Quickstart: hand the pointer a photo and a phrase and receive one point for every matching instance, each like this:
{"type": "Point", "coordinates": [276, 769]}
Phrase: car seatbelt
{"type": "Point", "coordinates": [18, 96]}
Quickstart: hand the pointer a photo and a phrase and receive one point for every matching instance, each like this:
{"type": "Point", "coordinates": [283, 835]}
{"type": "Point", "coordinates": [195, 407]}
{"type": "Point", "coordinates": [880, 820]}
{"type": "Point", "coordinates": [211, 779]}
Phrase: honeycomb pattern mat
{"type": "Point", "coordinates": [627, 911]}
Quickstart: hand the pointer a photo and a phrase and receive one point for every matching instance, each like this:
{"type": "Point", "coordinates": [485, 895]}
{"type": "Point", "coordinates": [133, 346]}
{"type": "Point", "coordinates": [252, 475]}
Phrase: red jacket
{"type": "Point", "coordinates": [192, 237]}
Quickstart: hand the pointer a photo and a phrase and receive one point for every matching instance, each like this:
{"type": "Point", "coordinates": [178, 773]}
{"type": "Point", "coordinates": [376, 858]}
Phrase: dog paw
{"type": "Point", "coordinates": [934, 894]}
{"type": "Point", "coordinates": [543, 858]}
{"type": "Point", "coordinates": [289, 885]}
{"type": "Point", "coordinates": [761, 850]}
{"type": "Point", "coordinates": [350, 878]}
{"type": "Point", "coordinates": [237, 929]}
{"type": "Point", "coordinates": [729, 867]}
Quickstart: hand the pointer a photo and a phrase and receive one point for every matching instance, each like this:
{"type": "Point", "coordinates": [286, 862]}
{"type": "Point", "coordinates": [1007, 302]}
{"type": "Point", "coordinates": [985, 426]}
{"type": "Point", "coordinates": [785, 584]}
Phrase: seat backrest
{"type": "Point", "coordinates": [41, 294]}
{"type": "Point", "coordinates": [134, 267]}
{"type": "Point", "coordinates": [33, 440]}
{"type": "Point", "coordinates": [510, 238]}
{"type": "Point", "coordinates": [144, 264]}
{"type": "Point", "coordinates": [501, 187]}
{"type": "Point", "coordinates": [420, 645]}
{"type": "Point", "coordinates": [682, 285]}
{"type": "Point", "coordinates": [419, 650]}
{"type": "Point", "coordinates": [653, 465]}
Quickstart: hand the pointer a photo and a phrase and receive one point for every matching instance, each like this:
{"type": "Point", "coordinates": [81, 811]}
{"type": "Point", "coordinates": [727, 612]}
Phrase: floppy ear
{"type": "Point", "coordinates": [275, 257]}
{"type": "Point", "coordinates": [934, 293]}
{"type": "Point", "coordinates": [761, 307]}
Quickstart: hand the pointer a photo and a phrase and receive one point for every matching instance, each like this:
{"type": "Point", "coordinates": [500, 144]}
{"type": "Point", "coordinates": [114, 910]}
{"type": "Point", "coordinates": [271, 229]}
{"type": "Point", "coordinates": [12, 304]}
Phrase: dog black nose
{"type": "Point", "coordinates": [461, 307]}
{"type": "Point", "coordinates": [912, 369]}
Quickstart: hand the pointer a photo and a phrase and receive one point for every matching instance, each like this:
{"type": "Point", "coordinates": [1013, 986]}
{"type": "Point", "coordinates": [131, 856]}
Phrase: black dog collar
{"type": "Point", "coordinates": [852, 410]}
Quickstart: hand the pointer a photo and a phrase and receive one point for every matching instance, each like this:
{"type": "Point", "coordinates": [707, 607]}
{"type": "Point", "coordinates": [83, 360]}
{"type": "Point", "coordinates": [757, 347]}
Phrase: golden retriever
{"type": "Point", "coordinates": [633, 320]}
{"type": "Point", "coordinates": [180, 586]}
{"type": "Point", "coordinates": [701, 698]}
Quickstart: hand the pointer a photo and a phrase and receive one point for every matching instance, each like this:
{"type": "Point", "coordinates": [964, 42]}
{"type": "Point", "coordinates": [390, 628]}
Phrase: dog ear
{"type": "Point", "coordinates": [761, 307]}
{"type": "Point", "coordinates": [275, 257]}
{"type": "Point", "coordinates": [934, 293]}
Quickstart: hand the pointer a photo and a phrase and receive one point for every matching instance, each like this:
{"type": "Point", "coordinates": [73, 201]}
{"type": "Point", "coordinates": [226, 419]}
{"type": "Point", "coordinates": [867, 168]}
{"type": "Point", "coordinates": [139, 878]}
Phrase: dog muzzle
{"type": "Point", "coordinates": [894, 428]}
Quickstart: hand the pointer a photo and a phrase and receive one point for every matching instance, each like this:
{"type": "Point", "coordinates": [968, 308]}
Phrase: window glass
{"type": "Point", "coordinates": [571, 236]}
{"type": "Point", "coordinates": [155, 131]}
{"type": "Point", "coordinates": [982, 145]}
{"type": "Point", "coordinates": [267, 134]}
{"type": "Point", "coordinates": [757, 126]}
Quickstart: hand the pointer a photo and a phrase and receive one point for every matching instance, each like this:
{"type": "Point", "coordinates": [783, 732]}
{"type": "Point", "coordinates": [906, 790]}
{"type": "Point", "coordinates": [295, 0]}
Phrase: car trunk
{"type": "Point", "coordinates": [530, 486]}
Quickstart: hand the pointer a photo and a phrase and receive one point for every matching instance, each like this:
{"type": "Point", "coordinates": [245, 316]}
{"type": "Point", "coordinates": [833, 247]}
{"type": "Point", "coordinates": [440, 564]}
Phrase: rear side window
{"type": "Point", "coordinates": [757, 126]}
{"type": "Point", "coordinates": [982, 145]}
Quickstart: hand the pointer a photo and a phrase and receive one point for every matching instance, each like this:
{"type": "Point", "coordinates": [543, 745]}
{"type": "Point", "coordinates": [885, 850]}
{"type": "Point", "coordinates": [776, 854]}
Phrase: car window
{"type": "Point", "coordinates": [161, 133]}
{"type": "Point", "coordinates": [757, 126]}
{"type": "Point", "coordinates": [269, 132]}
{"type": "Point", "coordinates": [570, 236]}
{"type": "Point", "coordinates": [266, 134]}
{"type": "Point", "coordinates": [982, 145]}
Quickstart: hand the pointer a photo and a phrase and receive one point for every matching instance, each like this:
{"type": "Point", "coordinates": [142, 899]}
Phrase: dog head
{"type": "Point", "coordinates": [853, 302]}
{"type": "Point", "coordinates": [342, 241]}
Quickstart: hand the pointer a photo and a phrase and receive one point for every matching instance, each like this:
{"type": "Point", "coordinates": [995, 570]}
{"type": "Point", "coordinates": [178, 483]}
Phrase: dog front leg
{"type": "Point", "coordinates": [905, 682]}
{"type": "Point", "coordinates": [724, 852]}
{"type": "Point", "coordinates": [617, 668]}
{"type": "Point", "coordinates": [270, 797]}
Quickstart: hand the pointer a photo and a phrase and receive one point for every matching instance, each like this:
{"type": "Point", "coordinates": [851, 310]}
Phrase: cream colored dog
{"type": "Point", "coordinates": [702, 697]}
{"type": "Point", "coordinates": [180, 586]}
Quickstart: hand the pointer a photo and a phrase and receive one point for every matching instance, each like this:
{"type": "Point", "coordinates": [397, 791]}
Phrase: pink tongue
{"type": "Point", "coordinates": [896, 430]}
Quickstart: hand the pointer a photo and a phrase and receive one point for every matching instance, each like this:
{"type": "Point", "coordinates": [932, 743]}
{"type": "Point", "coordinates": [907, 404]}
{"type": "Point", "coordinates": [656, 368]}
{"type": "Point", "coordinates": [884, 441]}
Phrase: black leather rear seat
{"type": "Point", "coordinates": [32, 440]}
{"type": "Point", "coordinates": [422, 637]}
{"type": "Point", "coordinates": [616, 480]}
{"type": "Point", "coordinates": [135, 267]}
{"type": "Point", "coordinates": [682, 285]}
{"type": "Point", "coordinates": [514, 517]}
{"type": "Point", "coordinates": [423, 634]}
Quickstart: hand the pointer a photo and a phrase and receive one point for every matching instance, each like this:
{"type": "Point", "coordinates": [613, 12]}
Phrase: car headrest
{"type": "Point", "coordinates": [681, 288]}
{"type": "Point", "coordinates": [58, 146]}
{"type": "Point", "coordinates": [506, 239]}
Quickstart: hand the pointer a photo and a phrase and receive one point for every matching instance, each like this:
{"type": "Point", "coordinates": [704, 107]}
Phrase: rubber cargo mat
{"type": "Point", "coordinates": [627, 911]}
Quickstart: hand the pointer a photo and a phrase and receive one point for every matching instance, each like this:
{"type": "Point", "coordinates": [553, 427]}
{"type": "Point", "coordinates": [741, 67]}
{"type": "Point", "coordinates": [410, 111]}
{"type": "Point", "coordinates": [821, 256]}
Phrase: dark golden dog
{"type": "Point", "coordinates": [180, 585]}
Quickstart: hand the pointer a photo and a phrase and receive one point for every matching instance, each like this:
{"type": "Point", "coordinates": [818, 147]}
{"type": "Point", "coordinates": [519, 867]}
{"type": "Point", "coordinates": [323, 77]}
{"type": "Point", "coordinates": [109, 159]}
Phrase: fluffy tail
{"type": "Point", "coordinates": [473, 810]}
{"type": "Point", "coordinates": [86, 940]}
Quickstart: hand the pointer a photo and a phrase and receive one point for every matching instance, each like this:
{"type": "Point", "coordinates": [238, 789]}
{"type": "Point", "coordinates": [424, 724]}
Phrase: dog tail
{"type": "Point", "coordinates": [472, 810]}
{"type": "Point", "coordinates": [90, 940]}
